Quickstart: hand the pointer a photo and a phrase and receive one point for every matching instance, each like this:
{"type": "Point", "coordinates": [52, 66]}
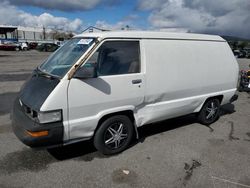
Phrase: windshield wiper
{"type": "Point", "coordinates": [39, 72]}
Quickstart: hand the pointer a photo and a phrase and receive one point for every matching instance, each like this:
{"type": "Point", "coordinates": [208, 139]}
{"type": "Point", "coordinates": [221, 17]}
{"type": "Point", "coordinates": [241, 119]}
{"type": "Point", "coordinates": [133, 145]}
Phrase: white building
{"type": "Point", "coordinates": [33, 34]}
{"type": "Point", "coordinates": [36, 34]}
{"type": "Point", "coordinates": [92, 29]}
{"type": "Point", "coordinates": [27, 34]}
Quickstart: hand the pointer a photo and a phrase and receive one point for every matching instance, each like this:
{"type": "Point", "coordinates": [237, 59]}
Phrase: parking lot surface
{"type": "Point", "coordinates": [174, 153]}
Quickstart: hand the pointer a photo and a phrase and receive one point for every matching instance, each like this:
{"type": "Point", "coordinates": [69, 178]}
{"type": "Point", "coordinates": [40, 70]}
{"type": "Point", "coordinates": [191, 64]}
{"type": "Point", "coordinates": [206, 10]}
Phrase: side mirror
{"type": "Point", "coordinates": [85, 72]}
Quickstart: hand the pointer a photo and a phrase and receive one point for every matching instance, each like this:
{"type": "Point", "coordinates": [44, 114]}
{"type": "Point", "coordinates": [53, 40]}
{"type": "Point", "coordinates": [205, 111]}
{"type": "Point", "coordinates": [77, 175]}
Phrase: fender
{"type": "Point", "coordinates": [89, 124]}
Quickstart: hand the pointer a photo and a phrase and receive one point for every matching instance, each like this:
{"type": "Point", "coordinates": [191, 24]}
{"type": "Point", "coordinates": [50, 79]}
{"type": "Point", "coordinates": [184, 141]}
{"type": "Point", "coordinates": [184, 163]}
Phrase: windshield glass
{"type": "Point", "coordinates": [62, 60]}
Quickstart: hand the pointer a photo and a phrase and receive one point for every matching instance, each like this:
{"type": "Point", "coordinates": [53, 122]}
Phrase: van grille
{"type": "Point", "coordinates": [28, 111]}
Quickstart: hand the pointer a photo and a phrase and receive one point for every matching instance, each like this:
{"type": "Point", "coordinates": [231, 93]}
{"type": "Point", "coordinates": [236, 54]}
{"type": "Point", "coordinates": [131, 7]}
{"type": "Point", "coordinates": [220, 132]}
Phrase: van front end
{"type": "Point", "coordinates": [33, 126]}
{"type": "Point", "coordinates": [40, 112]}
{"type": "Point", "coordinates": [32, 133]}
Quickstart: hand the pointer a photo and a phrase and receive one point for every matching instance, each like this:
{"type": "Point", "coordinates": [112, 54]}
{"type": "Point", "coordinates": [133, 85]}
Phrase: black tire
{"type": "Point", "coordinates": [210, 112]}
{"type": "Point", "coordinates": [114, 135]}
{"type": "Point", "coordinates": [240, 89]}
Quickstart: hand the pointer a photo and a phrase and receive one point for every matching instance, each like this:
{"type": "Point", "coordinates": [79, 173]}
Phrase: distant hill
{"type": "Point", "coordinates": [231, 38]}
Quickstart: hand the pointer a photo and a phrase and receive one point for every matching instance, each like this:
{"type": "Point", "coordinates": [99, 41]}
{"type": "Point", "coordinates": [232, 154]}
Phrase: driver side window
{"type": "Point", "coordinates": [116, 57]}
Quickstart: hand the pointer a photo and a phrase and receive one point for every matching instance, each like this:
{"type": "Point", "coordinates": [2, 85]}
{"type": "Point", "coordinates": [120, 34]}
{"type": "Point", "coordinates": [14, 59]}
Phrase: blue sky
{"type": "Point", "coordinates": [198, 16]}
{"type": "Point", "coordinates": [111, 14]}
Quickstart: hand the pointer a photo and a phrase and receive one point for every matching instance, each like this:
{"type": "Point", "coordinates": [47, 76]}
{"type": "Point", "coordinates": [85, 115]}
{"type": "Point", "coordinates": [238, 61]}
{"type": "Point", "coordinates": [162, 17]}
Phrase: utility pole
{"type": "Point", "coordinates": [44, 33]}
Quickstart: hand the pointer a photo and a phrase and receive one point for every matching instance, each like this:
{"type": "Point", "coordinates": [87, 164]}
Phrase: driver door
{"type": "Point", "coordinates": [119, 84]}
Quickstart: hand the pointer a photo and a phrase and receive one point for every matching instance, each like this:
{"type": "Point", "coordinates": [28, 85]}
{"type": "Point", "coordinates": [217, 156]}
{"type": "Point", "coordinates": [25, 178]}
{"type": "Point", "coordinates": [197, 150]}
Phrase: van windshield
{"type": "Point", "coordinates": [62, 60]}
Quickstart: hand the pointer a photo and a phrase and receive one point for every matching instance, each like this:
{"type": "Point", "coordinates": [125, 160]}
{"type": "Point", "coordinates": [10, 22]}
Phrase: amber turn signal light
{"type": "Point", "coordinates": [38, 134]}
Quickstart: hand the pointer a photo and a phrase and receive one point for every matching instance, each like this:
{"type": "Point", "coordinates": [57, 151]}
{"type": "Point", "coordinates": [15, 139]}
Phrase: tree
{"type": "Point", "coordinates": [61, 35]}
{"type": "Point", "coordinates": [242, 44]}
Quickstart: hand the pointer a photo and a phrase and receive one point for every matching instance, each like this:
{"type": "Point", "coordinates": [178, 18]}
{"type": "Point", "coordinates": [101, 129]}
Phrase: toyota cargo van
{"type": "Point", "coordinates": [106, 85]}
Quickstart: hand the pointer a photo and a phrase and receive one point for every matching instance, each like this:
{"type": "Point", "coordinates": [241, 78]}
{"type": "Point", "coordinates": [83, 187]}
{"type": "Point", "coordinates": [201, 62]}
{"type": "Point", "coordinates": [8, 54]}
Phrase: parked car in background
{"type": "Point", "coordinates": [47, 47]}
{"type": "Point", "coordinates": [24, 46]}
{"type": "Point", "coordinates": [10, 46]}
{"type": "Point", "coordinates": [239, 53]}
{"type": "Point", "coordinates": [61, 43]}
{"type": "Point", "coordinates": [248, 53]}
{"type": "Point", "coordinates": [244, 53]}
{"type": "Point", "coordinates": [32, 45]}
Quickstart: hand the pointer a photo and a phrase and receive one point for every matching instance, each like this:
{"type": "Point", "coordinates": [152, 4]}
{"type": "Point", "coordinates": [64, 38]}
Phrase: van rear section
{"type": "Point", "coordinates": [102, 86]}
{"type": "Point", "coordinates": [182, 74]}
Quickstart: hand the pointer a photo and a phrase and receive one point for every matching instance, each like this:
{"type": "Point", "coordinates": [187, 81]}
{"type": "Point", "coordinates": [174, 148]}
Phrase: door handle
{"type": "Point", "coordinates": [138, 81]}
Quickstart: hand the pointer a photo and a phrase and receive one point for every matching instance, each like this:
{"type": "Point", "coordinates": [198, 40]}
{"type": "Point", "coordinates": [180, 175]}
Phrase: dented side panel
{"type": "Point", "coordinates": [181, 75]}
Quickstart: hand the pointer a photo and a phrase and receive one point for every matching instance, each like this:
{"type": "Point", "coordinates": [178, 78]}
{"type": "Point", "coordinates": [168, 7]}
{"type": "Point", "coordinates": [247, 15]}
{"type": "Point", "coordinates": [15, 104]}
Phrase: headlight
{"type": "Point", "coordinates": [49, 117]}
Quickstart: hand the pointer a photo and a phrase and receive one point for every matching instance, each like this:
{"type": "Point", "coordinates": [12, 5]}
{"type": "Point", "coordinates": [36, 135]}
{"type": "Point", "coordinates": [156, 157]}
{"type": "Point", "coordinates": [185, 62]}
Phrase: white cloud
{"type": "Point", "coordinates": [149, 5]}
{"type": "Point", "coordinates": [11, 15]}
{"type": "Point", "coordinates": [126, 23]}
{"type": "Point", "coordinates": [107, 26]}
{"type": "Point", "coordinates": [65, 5]}
{"type": "Point", "coordinates": [204, 16]}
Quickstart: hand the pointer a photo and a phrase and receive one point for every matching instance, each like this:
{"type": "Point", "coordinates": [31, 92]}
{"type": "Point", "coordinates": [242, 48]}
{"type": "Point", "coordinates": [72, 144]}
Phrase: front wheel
{"type": "Point", "coordinates": [114, 135]}
{"type": "Point", "coordinates": [210, 112]}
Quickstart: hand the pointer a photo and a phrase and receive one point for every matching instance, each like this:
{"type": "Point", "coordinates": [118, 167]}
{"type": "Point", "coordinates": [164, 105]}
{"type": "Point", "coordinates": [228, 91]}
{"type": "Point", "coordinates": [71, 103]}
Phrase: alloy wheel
{"type": "Point", "coordinates": [115, 136]}
{"type": "Point", "coordinates": [211, 110]}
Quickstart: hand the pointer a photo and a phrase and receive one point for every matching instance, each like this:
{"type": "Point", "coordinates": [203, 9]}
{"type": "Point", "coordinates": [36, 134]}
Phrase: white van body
{"type": "Point", "coordinates": [178, 73]}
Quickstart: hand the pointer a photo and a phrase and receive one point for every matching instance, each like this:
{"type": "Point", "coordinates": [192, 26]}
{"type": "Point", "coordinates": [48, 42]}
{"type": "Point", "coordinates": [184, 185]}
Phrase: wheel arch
{"type": "Point", "coordinates": [128, 113]}
{"type": "Point", "coordinates": [220, 97]}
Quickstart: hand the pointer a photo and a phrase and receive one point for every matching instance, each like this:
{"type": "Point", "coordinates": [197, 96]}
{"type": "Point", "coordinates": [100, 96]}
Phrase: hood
{"type": "Point", "coordinates": [36, 90]}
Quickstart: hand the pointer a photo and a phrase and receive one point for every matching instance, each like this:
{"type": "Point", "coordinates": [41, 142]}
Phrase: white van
{"type": "Point", "coordinates": [105, 85]}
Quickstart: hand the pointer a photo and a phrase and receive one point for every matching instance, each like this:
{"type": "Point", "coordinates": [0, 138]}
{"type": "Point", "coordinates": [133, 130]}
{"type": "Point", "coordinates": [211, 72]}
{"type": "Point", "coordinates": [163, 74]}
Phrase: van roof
{"type": "Point", "coordinates": [152, 35]}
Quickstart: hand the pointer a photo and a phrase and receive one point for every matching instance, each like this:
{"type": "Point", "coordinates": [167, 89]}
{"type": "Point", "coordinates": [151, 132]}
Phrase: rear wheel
{"type": "Point", "coordinates": [210, 112]}
{"type": "Point", "coordinates": [240, 89]}
{"type": "Point", "coordinates": [114, 135]}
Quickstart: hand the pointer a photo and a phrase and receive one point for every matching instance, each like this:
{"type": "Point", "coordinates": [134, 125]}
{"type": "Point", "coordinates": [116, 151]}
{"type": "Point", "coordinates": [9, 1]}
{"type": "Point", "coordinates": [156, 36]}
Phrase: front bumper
{"type": "Point", "coordinates": [21, 124]}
